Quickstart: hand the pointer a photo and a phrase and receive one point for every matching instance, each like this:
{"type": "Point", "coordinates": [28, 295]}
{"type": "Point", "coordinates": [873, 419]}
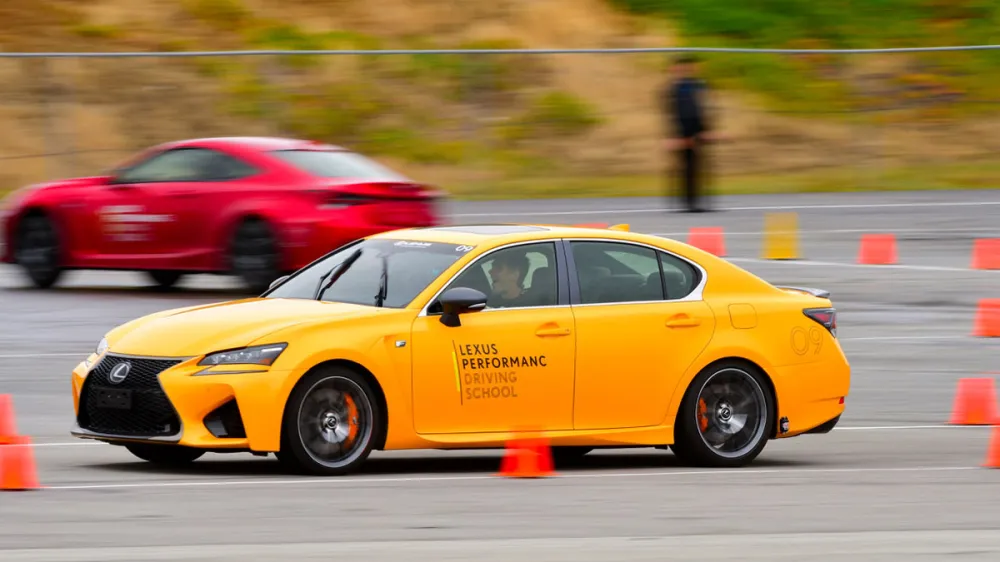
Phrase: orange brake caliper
{"type": "Point", "coordinates": [352, 413]}
{"type": "Point", "coordinates": [703, 414]}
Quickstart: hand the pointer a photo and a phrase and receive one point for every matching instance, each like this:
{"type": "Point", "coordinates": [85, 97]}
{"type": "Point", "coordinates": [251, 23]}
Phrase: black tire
{"type": "Point", "coordinates": [315, 417]}
{"type": "Point", "coordinates": [165, 455]}
{"type": "Point", "coordinates": [569, 455]}
{"type": "Point", "coordinates": [38, 250]}
{"type": "Point", "coordinates": [254, 255]}
{"type": "Point", "coordinates": [165, 279]}
{"type": "Point", "coordinates": [749, 394]}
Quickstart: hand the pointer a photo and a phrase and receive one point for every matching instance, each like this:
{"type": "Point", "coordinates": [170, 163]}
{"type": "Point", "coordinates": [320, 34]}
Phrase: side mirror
{"type": "Point", "coordinates": [460, 300]}
{"type": "Point", "coordinates": [277, 282]}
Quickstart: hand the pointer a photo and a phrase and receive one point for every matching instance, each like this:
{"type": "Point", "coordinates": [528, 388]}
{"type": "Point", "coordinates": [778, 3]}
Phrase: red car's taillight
{"type": "Point", "coordinates": [825, 316]}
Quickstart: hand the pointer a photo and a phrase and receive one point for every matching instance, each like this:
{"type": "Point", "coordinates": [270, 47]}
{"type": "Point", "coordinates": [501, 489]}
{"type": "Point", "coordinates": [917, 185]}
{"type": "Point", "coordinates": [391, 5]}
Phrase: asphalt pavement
{"type": "Point", "coordinates": [893, 482]}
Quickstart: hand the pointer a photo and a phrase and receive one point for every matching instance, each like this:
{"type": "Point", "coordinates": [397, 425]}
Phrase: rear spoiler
{"type": "Point", "coordinates": [814, 292]}
{"type": "Point", "coordinates": [620, 227]}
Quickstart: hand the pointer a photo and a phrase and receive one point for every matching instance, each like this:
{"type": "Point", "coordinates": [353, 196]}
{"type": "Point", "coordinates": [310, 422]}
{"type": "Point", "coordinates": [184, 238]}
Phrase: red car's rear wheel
{"type": "Point", "coordinates": [255, 256]}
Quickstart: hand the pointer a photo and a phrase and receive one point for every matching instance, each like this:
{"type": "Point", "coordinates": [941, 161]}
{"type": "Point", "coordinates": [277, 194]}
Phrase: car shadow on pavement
{"type": "Point", "coordinates": [412, 465]}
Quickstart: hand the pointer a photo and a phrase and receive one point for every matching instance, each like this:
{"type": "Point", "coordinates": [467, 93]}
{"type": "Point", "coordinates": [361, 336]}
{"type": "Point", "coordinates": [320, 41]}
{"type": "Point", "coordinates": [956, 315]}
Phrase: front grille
{"type": "Point", "coordinates": [149, 413]}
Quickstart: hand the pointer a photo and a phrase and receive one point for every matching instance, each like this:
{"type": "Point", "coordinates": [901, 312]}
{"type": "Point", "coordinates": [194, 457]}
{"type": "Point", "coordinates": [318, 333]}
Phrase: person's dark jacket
{"type": "Point", "coordinates": [686, 115]}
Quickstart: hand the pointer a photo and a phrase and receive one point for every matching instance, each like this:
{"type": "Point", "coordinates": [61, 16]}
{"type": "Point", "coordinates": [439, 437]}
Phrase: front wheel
{"type": "Point", "coordinates": [38, 251]}
{"type": "Point", "coordinates": [330, 423]}
{"type": "Point", "coordinates": [166, 455]}
{"type": "Point", "coordinates": [726, 418]}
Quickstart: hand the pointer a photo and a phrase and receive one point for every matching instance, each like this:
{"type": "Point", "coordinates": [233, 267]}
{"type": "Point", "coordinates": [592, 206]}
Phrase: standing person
{"type": "Point", "coordinates": [686, 124]}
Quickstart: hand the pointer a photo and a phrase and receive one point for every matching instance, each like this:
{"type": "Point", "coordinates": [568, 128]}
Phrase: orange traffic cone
{"type": "Point", "coordinates": [986, 254]}
{"type": "Point", "coordinates": [708, 238]}
{"type": "Point", "coordinates": [17, 466]}
{"type": "Point", "coordinates": [975, 403]}
{"type": "Point", "coordinates": [527, 458]}
{"type": "Point", "coordinates": [993, 449]}
{"type": "Point", "coordinates": [987, 321]}
{"type": "Point", "coordinates": [877, 249]}
{"type": "Point", "coordinates": [8, 430]}
{"type": "Point", "coordinates": [592, 225]}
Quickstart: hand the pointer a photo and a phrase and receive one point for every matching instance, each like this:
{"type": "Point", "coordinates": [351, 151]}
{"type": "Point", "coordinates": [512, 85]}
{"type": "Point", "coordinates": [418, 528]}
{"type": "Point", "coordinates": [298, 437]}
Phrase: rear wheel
{"type": "Point", "coordinates": [330, 422]}
{"type": "Point", "coordinates": [165, 455]}
{"type": "Point", "coordinates": [726, 418]}
{"type": "Point", "coordinates": [37, 250]}
{"type": "Point", "coordinates": [165, 279]}
{"type": "Point", "coordinates": [254, 255]}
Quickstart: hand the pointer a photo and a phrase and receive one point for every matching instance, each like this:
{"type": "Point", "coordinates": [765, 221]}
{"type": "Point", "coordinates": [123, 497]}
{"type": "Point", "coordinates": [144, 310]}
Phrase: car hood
{"type": "Point", "coordinates": [194, 331]}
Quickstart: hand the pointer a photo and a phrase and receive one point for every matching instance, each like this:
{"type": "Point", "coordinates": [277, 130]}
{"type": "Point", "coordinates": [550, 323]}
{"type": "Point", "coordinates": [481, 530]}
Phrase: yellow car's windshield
{"type": "Point", "coordinates": [410, 266]}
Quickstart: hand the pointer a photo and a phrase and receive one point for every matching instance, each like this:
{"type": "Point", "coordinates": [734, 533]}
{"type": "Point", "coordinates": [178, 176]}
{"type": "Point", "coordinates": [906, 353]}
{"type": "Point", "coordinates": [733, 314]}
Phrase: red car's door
{"type": "Point", "coordinates": [134, 222]}
{"type": "Point", "coordinates": [147, 217]}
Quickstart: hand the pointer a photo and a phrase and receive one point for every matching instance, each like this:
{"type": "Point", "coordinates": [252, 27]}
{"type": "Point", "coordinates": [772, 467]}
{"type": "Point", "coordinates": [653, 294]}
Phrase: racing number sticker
{"type": "Point", "coordinates": [803, 340]}
{"type": "Point", "coordinates": [464, 249]}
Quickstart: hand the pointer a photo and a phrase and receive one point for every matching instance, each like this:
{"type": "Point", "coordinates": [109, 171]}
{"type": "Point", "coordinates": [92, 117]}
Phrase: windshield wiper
{"type": "Point", "coordinates": [335, 273]}
{"type": "Point", "coordinates": [383, 285]}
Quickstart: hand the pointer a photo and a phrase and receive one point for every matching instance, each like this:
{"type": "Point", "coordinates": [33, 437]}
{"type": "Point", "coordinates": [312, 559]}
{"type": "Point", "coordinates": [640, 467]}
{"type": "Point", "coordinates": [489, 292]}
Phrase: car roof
{"type": "Point", "coordinates": [261, 144]}
{"type": "Point", "coordinates": [494, 234]}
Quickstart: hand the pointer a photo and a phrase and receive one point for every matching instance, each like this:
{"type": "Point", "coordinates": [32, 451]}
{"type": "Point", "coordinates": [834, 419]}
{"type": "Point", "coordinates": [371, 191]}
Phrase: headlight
{"type": "Point", "coordinates": [259, 355]}
{"type": "Point", "coordinates": [102, 348]}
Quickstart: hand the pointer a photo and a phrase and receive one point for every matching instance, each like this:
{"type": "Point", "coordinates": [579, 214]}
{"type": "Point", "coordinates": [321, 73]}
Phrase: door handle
{"type": "Point", "coordinates": [547, 332]}
{"type": "Point", "coordinates": [683, 322]}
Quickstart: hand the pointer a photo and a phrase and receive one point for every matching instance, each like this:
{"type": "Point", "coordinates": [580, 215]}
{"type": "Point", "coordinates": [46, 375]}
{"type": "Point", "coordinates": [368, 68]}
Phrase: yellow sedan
{"type": "Point", "coordinates": [465, 336]}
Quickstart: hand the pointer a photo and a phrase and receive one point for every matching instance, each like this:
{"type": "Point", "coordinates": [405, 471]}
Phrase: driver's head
{"type": "Point", "coordinates": [507, 273]}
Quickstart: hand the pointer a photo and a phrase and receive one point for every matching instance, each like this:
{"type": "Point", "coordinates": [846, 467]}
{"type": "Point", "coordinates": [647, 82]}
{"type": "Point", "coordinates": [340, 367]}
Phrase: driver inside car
{"type": "Point", "coordinates": [507, 274]}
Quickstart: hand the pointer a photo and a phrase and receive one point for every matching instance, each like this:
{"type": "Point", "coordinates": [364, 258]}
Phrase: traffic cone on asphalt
{"type": "Point", "coordinates": [987, 321]}
{"type": "Point", "coordinates": [975, 403]}
{"type": "Point", "coordinates": [708, 238]}
{"type": "Point", "coordinates": [877, 249]}
{"type": "Point", "coordinates": [993, 449]}
{"type": "Point", "coordinates": [17, 466]}
{"type": "Point", "coordinates": [8, 429]}
{"type": "Point", "coordinates": [986, 253]}
{"type": "Point", "coordinates": [527, 458]}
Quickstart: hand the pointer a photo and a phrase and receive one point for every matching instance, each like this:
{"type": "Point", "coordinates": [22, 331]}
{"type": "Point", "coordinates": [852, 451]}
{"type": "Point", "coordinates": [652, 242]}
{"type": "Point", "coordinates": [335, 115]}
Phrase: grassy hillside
{"type": "Point", "coordinates": [842, 24]}
{"type": "Point", "coordinates": [508, 126]}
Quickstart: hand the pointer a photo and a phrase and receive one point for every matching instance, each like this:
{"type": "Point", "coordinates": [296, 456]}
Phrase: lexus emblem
{"type": "Point", "coordinates": [119, 372]}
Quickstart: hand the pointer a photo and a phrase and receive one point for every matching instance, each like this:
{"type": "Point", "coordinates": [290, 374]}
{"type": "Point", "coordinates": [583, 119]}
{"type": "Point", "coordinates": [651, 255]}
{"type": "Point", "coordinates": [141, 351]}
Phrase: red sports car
{"type": "Point", "coordinates": [256, 208]}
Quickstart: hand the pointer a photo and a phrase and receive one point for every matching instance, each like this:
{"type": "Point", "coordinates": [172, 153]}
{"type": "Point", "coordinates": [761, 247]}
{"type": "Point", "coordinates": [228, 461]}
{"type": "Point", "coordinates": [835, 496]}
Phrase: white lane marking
{"type": "Point", "coordinates": [758, 546]}
{"type": "Point", "coordinates": [865, 266]}
{"type": "Point", "coordinates": [563, 476]}
{"type": "Point", "coordinates": [45, 354]}
{"type": "Point", "coordinates": [910, 338]}
{"type": "Point", "coordinates": [844, 231]}
{"type": "Point", "coordinates": [747, 208]}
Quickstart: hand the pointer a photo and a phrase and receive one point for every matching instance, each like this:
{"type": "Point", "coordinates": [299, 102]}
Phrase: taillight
{"type": "Point", "coordinates": [825, 316]}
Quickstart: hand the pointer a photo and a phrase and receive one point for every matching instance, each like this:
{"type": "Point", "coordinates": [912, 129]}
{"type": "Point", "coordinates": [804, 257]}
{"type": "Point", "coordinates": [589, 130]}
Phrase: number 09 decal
{"type": "Point", "coordinates": [803, 341]}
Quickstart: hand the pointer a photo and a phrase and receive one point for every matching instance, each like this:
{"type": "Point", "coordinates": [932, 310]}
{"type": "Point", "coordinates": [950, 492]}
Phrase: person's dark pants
{"type": "Point", "coordinates": [689, 176]}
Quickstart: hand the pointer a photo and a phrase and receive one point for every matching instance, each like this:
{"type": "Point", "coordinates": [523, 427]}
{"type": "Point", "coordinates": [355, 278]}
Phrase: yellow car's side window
{"type": "Point", "coordinates": [518, 276]}
{"type": "Point", "coordinates": [616, 272]}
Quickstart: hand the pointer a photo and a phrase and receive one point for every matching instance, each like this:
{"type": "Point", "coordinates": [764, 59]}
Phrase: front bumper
{"type": "Point", "coordinates": [172, 400]}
